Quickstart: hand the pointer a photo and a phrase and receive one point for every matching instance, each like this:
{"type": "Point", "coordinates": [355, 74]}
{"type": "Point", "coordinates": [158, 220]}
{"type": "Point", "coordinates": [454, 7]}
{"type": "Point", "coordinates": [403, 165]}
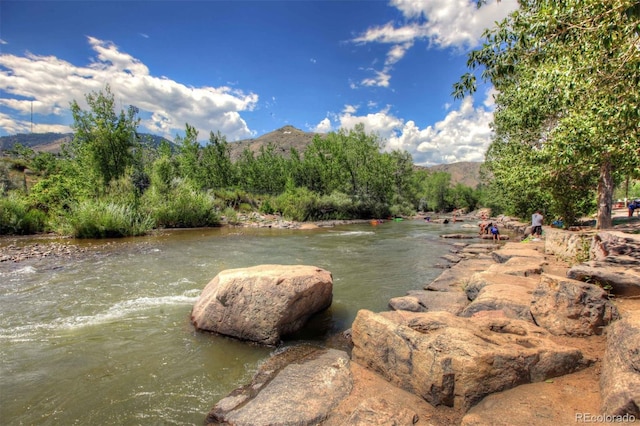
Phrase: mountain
{"type": "Point", "coordinates": [52, 142]}
{"type": "Point", "coordinates": [285, 138]}
{"type": "Point", "coordinates": [464, 172]}
{"type": "Point", "coordinates": [47, 142]}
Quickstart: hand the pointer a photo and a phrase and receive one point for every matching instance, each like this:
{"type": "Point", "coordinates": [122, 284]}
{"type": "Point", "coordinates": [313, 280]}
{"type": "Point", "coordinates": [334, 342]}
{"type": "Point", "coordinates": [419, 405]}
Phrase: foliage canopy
{"type": "Point", "coordinates": [567, 119]}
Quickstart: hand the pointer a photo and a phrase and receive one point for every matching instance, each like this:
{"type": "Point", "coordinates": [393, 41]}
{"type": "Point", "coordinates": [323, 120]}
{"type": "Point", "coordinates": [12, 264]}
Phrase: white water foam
{"type": "Point", "coordinates": [127, 308]}
{"type": "Point", "coordinates": [22, 271]}
{"type": "Point", "coordinates": [348, 233]}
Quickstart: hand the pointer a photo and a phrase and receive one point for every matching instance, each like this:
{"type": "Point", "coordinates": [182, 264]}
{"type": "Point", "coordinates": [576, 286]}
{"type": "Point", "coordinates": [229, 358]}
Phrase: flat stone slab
{"type": "Point", "coordinates": [560, 401]}
{"type": "Point", "coordinates": [622, 281]}
{"type": "Point", "coordinates": [479, 280]}
{"type": "Point", "coordinates": [454, 278]}
{"type": "Point", "coordinates": [514, 301]}
{"type": "Point", "coordinates": [301, 393]}
{"type": "Point", "coordinates": [507, 252]}
{"type": "Point", "coordinates": [447, 301]}
{"type": "Point", "coordinates": [521, 266]}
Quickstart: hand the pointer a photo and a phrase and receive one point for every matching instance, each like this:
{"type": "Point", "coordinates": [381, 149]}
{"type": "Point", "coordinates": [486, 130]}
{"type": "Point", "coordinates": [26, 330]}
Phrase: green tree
{"type": "Point", "coordinates": [189, 155]}
{"type": "Point", "coordinates": [104, 140]}
{"type": "Point", "coordinates": [218, 170]}
{"type": "Point", "coordinates": [568, 78]}
{"type": "Point", "coordinates": [437, 188]}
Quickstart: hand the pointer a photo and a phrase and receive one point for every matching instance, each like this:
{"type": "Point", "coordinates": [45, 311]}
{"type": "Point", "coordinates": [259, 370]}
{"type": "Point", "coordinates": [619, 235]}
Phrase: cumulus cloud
{"type": "Point", "coordinates": [49, 85]}
{"type": "Point", "coordinates": [463, 135]}
{"type": "Point", "coordinates": [442, 24]}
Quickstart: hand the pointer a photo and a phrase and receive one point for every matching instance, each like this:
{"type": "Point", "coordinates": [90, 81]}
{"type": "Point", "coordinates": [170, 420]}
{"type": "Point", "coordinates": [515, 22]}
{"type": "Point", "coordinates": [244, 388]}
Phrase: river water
{"type": "Point", "coordinates": [106, 339]}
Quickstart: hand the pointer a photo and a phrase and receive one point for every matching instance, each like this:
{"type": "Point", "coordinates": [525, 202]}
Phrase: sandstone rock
{"type": "Point", "coordinates": [451, 258]}
{"type": "Point", "coordinates": [559, 401]}
{"type": "Point", "coordinates": [612, 246]}
{"type": "Point", "coordinates": [380, 411]}
{"type": "Point", "coordinates": [623, 281]}
{"type": "Point", "coordinates": [513, 300]}
{"type": "Point", "coordinates": [262, 303]}
{"type": "Point", "coordinates": [453, 279]}
{"type": "Point", "coordinates": [479, 280]}
{"type": "Point", "coordinates": [520, 266]}
{"type": "Point", "coordinates": [572, 308]}
{"type": "Point", "coordinates": [429, 301]}
{"type": "Point", "coordinates": [456, 361]}
{"type": "Point", "coordinates": [620, 379]}
{"type": "Point", "coordinates": [458, 236]}
{"type": "Point", "coordinates": [520, 250]}
{"type": "Point", "coordinates": [302, 393]}
{"type": "Point", "coordinates": [407, 303]}
{"type": "Point", "coordinates": [570, 246]}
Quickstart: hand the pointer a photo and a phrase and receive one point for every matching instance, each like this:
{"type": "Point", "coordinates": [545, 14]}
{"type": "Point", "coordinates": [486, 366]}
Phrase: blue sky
{"type": "Point", "coordinates": [246, 68]}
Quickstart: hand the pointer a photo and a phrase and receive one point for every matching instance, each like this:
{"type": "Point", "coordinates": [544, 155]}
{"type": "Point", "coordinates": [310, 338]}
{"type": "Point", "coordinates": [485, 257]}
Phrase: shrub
{"type": "Point", "coordinates": [266, 206]}
{"type": "Point", "coordinates": [16, 217]}
{"type": "Point", "coordinates": [231, 216]}
{"type": "Point", "coordinates": [296, 204]}
{"type": "Point", "coordinates": [183, 207]}
{"type": "Point", "coordinates": [101, 219]}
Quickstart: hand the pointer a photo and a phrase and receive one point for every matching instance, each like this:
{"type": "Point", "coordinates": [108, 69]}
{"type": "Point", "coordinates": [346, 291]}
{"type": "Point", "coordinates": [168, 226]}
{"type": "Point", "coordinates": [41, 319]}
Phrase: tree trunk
{"type": "Point", "coordinates": [605, 196]}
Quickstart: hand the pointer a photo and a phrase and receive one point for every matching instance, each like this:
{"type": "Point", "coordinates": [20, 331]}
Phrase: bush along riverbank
{"type": "Point", "coordinates": [502, 336]}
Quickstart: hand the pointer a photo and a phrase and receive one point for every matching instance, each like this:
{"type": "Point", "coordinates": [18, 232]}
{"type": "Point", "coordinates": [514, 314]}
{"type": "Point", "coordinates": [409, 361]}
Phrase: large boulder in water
{"type": "Point", "coordinates": [262, 303]}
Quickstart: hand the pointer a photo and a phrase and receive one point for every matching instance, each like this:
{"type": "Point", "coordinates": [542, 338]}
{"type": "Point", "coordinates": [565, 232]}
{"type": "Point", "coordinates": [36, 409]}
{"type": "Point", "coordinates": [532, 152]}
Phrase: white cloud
{"type": "Point", "coordinates": [463, 135]}
{"type": "Point", "coordinates": [349, 109]}
{"type": "Point", "coordinates": [441, 23]}
{"type": "Point", "coordinates": [323, 127]}
{"type": "Point", "coordinates": [381, 79]}
{"type": "Point", "coordinates": [53, 84]}
{"type": "Point", "coordinates": [454, 23]}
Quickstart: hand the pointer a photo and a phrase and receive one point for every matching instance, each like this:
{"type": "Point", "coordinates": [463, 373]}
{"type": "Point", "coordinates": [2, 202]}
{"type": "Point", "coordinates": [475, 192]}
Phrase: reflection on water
{"type": "Point", "coordinates": [106, 338]}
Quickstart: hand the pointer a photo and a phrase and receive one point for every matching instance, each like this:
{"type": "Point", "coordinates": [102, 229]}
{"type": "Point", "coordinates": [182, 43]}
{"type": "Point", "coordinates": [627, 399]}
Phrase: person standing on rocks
{"type": "Point", "coordinates": [536, 224]}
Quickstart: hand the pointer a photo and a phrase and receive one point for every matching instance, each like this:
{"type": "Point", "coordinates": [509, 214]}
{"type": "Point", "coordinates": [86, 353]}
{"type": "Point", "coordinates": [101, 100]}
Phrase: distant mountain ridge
{"type": "Point", "coordinates": [283, 139]}
{"type": "Point", "coordinates": [52, 142]}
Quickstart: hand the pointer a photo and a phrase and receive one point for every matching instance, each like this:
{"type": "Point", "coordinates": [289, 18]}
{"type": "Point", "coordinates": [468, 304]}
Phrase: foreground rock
{"type": "Point", "coordinates": [572, 308]}
{"type": "Point", "coordinates": [298, 390]}
{"type": "Point", "coordinates": [454, 361]}
{"type": "Point", "coordinates": [620, 380]}
{"type": "Point", "coordinates": [262, 303]}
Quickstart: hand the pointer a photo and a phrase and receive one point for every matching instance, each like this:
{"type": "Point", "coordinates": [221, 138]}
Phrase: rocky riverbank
{"type": "Point", "coordinates": [502, 337]}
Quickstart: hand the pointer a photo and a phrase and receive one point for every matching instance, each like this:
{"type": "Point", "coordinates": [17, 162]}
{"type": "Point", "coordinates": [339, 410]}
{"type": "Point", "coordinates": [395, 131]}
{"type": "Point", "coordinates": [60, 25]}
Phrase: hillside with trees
{"type": "Point", "coordinates": [108, 182]}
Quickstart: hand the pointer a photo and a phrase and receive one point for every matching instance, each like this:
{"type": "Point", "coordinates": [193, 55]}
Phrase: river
{"type": "Point", "coordinates": [106, 338]}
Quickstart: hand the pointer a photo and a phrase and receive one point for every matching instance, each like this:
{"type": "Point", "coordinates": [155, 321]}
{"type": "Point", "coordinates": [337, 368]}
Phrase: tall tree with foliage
{"type": "Point", "coordinates": [189, 155]}
{"type": "Point", "coordinates": [218, 170]}
{"type": "Point", "coordinates": [568, 78]}
{"type": "Point", "coordinates": [104, 140]}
